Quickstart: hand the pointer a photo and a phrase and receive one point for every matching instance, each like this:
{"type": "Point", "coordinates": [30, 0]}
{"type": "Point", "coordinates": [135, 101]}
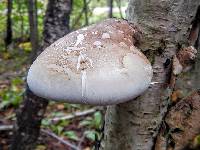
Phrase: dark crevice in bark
{"type": "Point", "coordinates": [196, 23]}
{"type": "Point", "coordinates": [194, 37]}
{"type": "Point", "coordinates": [197, 43]}
{"type": "Point", "coordinates": [162, 125]}
{"type": "Point", "coordinates": [181, 125]}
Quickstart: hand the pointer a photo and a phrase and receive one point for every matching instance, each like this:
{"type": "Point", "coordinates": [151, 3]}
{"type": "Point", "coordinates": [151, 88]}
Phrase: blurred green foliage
{"type": "Point", "coordinates": [26, 46]}
{"type": "Point", "coordinates": [92, 122]}
{"type": "Point", "coordinates": [12, 95]}
{"type": "Point", "coordinates": [93, 125]}
{"type": "Point", "coordinates": [197, 141]}
{"type": "Point", "coordinates": [71, 135]}
{"type": "Point", "coordinates": [20, 23]}
{"type": "Point", "coordinates": [15, 60]}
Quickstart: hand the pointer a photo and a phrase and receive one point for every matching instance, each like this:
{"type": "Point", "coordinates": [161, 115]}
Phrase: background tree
{"type": "Point", "coordinates": [33, 23]}
{"type": "Point", "coordinates": [166, 28]}
{"type": "Point", "coordinates": [110, 6]}
{"type": "Point", "coordinates": [86, 12]}
{"type": "Point", "coordinates": [8, 38]}
{"type": "Point", "coordinates": [31, 111]}
{"type": "Point", "coordinates": [21, 13]}
{"type": "Point", "coordinates": [119, 7]}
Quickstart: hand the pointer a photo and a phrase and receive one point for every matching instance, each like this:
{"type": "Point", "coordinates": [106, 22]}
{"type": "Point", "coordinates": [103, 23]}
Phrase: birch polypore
{"type": "Point", "coordinates": [97, 65]}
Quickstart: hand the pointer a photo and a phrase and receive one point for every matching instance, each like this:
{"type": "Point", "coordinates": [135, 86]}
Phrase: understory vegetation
{"type": "Point", "coordinates": [79, 124]}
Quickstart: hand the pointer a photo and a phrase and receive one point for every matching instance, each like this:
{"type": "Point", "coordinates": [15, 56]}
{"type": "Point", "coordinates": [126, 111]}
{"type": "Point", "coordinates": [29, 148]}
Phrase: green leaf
{"type": "Point", "coordinates": [57, 129]}
{"type": "Point", "coordinates": [87, 122]}
{"type": "Point", "coordinates": [11, 96]}
{"type": "Point", "coordinates": [46, 122]}
{"type": "Point", "coordinates": [71, 135]}
{"type": "Point", "coordinates": [64, 122]}
{"type": "Point", "coordinates": [17, 81]}
{"type": "Point", "coordinates": [76, 106]}
{"type": "Point", "coordinates": [57, 114]}
{"type": "Point", "coordinates": [97, 119]}
{"type": "Point", "coordinates": [90, 134]}
{"type": "Point", "coordinates": [4, 104]}
{"type": "Point", "coordinates": [197, 140]}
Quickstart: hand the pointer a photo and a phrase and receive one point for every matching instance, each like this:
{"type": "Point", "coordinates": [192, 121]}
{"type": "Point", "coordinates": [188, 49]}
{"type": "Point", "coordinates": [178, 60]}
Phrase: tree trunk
{"type": "Point", "coordinates": [86, 12]}
{"type": "Point", "coordinates": [119, 7]}
{"type": "Point", "coordinates": [56, 20]}
{"type": "Point", "coordinates": [33, 24]}
{"type": "Point", "coordinates": [29, 116]}
{"type": "Point", "coordinates": [110, 5]}
{"type": "Point", "coordinates": [32, 109]}
{"type": "Point", "coordinates": [165, 25]}
{"type": "Point", "coordinates": [8, 38]}
{"type": "Point", "coordinates": [21, 13]}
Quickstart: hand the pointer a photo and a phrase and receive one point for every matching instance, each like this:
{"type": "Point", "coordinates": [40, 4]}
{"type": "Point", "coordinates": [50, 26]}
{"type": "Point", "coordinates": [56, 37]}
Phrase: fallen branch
{"type": "Point", "coordinates": [76, 114]}
{"type": "Point", "coordinates": [74, 147]}
{"type": "Point", "coordinates": [81, 141]}
{"type": "Point", "coordinates": [10, 127]}
{"type": "Point", "coordinates": [67, 117]}
{"type": "Point", "coordinates": [6, 127]}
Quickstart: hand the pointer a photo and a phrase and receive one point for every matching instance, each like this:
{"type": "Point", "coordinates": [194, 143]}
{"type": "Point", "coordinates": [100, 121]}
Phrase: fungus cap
{"type": "Point", "coordinates": [96, 65]}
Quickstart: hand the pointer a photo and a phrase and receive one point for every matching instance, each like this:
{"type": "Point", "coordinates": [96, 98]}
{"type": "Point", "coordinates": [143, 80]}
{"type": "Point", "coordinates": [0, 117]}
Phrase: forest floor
{"type": "Point", "coordinates": [64, 124]}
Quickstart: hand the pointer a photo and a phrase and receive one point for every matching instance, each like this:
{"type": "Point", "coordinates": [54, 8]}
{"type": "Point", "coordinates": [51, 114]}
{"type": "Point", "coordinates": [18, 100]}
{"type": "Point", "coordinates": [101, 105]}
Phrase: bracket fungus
{"type": "Point", "coordinates": [97, 65]}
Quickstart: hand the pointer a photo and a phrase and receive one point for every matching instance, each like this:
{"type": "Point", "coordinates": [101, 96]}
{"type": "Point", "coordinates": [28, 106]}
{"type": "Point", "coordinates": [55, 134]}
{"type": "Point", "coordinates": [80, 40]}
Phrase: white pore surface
{"type": "Point", "coordinates": [90, 74]}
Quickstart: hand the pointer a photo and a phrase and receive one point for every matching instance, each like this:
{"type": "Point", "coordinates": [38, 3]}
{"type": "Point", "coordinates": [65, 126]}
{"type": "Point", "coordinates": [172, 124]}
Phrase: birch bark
{"type": "Point", "coordinates": [165, 25]}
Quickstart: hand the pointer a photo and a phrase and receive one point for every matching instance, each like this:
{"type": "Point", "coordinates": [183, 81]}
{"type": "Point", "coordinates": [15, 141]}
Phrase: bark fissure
{"type": "Point", "coordinates": [181, 125]}
{"type": "Point", "coordinates": [195, 30]}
